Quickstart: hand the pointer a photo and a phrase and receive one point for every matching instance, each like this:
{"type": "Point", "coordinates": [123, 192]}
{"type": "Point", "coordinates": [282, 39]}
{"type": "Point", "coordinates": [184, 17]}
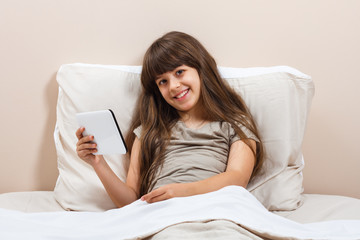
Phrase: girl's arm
{"type": "Point", "coordinates": [120, 193]}
{"type": "Point", "coordinates": [240, 165]}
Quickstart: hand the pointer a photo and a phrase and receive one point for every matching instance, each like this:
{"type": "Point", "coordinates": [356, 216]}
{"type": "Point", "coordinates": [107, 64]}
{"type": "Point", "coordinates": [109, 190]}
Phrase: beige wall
{"type": "Point", "coordinates": [320, 38]}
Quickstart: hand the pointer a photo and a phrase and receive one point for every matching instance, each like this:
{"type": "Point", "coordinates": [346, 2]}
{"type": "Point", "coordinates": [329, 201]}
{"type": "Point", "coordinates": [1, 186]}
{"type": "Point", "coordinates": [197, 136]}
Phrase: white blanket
{"type": "Point", "coordinates": [140, 219]}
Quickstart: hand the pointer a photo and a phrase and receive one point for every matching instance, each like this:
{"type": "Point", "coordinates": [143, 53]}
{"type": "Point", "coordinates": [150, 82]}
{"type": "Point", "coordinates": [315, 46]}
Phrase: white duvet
{"type": "Point", "coordinates": [140, 219]}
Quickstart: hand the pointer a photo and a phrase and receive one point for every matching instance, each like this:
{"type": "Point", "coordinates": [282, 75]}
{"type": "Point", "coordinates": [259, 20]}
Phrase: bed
{"type": "Point", "coordinates": [272, 207]}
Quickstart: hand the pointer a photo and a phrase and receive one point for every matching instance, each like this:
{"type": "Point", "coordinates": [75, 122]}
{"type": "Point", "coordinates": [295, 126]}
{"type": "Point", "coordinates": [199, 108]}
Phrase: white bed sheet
{"type": "Point", "coordinates": [315, 207]}
{"type": "Point", "coordinates": [142, 220]}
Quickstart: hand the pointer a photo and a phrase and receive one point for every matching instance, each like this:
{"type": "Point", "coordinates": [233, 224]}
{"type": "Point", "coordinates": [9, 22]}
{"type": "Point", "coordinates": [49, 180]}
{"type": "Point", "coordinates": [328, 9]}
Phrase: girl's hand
{"type": "Point", "coordinates": [85, 148]}
{"type": "Point", "coordinates": [167, 192]}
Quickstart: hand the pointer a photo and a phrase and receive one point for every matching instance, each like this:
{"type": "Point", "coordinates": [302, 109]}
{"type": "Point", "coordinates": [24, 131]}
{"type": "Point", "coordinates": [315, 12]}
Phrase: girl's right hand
{"type": "Point", "coordinates": [85, 148]}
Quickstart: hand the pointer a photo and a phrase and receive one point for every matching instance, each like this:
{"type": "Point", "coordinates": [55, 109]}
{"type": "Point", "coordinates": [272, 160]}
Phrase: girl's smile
{"type": "Point", "coordinates": [182, 94]}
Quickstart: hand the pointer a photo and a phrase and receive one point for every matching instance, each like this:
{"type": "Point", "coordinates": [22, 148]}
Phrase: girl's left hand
{"type": "Point", "coordinates": [166, 192]}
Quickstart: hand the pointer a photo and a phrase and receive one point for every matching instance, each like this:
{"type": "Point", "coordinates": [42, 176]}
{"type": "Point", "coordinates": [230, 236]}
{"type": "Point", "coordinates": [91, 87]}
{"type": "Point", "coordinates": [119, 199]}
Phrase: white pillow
{"type": "Point", "coordinates": [279, 102]}
{"type": "Point", "coordinates": [278, 97]}
{"type": "Point", "coordinates": [83, 88]}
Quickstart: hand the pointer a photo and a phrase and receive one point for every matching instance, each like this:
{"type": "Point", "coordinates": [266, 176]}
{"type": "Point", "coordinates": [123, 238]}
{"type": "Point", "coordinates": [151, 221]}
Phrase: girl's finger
{"type": "Point", "coordinates": [89, 146]}
{"type": "Point", "coordinates": [86, 152]}
{"type": "Point", "coordinates": [85, 139]}
{"type": "Point", "coordinates": [159, 198]}
{"type": "Point", "coordinates": [79, 132]}
{"type": "Point", "coordinates": [148, 196]}
{"type": "Point", "coordinates": [153, 194]}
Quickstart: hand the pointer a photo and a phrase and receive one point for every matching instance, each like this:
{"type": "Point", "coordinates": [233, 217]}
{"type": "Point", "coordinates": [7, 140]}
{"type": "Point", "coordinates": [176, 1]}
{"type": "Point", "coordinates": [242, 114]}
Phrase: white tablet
{"type": "Point", "coordinates": [103, 126]}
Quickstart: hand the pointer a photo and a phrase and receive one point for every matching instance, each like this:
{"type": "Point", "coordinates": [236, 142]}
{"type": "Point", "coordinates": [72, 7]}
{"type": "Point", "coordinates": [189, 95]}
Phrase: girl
{"type": "Point", "coordinates": [190, 134]}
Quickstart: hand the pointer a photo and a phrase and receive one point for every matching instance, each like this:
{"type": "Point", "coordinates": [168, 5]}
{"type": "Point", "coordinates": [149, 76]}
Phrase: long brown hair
{"type": "Point", "coordinates": [157, 117]}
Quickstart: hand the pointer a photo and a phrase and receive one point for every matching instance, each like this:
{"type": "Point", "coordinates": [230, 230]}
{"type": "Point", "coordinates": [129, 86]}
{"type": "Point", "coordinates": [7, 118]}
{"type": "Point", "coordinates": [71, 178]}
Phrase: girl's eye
{"type": "Point", "coordinates": [179, 72]}
{"type": "Point", "coordinates": [161, 82]}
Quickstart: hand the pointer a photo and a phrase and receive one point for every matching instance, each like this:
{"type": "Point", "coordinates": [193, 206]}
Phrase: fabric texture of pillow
{"type": "Point", "coordinates": [279, 98]}
{"type": "Point", "coordinates": [84, 88]}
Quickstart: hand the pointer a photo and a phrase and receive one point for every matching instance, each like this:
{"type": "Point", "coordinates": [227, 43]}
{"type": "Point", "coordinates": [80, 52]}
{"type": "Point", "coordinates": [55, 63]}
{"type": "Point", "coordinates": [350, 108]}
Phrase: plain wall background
{"type": "Point", "coordinates": [319, 37]}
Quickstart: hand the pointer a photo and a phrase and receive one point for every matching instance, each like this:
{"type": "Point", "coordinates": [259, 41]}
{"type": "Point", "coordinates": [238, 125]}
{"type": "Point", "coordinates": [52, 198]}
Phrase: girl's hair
{"type": "Point", "coordinates": [157, 117]}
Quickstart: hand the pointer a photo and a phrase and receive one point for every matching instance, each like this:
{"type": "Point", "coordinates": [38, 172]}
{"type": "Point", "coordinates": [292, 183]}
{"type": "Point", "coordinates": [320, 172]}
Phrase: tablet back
{"type": "Point", "coordinates": [103, 126]}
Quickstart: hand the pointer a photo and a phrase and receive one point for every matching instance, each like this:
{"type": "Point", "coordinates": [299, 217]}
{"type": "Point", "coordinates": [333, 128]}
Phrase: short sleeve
{"type": "Point", "coordinates": [137, 131]}
{"type": "Point", "coordinates": [235, 137]}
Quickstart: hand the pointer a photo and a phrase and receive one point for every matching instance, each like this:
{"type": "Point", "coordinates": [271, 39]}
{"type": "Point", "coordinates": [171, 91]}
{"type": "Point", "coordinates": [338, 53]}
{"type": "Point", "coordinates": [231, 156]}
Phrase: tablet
{"type": "Point", "coordinates": [103, 126]}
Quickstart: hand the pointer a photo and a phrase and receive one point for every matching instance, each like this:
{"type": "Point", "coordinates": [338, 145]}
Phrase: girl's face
{"type": "Point", "coordinates": [180, 88]}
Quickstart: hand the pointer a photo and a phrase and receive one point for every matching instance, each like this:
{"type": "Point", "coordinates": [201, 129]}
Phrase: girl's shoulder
{"type": "Point", "coordinates": [229, 129]}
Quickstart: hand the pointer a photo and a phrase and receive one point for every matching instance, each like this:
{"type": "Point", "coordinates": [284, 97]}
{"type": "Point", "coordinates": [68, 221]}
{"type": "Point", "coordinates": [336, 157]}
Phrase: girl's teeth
{"type": "Point", "coordinates": [182, 94]}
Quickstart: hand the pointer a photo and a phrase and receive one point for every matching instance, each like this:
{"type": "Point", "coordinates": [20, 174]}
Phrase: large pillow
{"type": "Point", "coordinates": [278, 97]}
{"type": "Point", "coordinates": [84, 87]}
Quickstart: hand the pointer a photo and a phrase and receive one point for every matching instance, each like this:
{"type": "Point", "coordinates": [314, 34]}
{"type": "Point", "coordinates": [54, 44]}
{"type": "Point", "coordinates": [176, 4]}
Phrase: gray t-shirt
{"type": "Point", "coordinates": [196, 154]}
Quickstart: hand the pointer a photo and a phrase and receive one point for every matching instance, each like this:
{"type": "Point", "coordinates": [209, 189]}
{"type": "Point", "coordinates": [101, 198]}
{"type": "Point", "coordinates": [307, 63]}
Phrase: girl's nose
{"type": "Point", "coordinates": [174, 83]}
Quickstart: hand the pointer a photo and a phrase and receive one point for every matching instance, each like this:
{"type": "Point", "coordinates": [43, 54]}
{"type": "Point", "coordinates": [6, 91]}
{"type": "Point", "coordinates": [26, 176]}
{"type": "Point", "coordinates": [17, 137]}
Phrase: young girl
{"type": "Point", "coordinates": [191, 133]}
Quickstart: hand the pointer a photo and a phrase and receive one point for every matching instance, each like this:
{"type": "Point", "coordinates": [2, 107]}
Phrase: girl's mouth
{"type": "Point", "coordinates": [182, 94]}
